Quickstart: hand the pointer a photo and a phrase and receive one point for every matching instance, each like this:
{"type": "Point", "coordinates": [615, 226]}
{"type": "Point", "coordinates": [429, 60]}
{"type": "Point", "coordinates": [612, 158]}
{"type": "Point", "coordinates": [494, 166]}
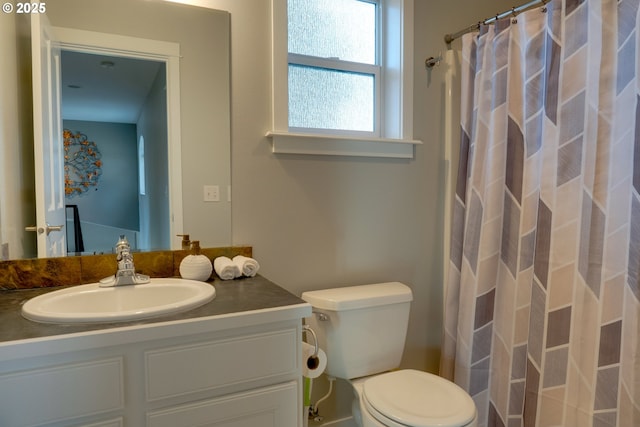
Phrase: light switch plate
{"type": "Point", "coordinates": [211, 193]}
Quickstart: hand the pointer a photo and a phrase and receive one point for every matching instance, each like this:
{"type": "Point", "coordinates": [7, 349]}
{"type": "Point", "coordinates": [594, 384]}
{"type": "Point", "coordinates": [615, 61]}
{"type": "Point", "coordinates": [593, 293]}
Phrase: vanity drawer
{"type": "Point", "coordinates": [180, 370]}
{"type": "Point", "coordinates": [274, 406]}
{"type": "Point", "coordinates": [116, 422]}
{"type": "Point", "coordinates": [62, 392]}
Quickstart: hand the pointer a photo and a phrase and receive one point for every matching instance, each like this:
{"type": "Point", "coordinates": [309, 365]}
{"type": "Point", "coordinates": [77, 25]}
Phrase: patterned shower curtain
{"type": "Point", "coordinates": [542, 312]}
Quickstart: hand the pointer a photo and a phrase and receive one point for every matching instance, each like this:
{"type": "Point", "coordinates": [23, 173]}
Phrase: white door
{"type": "Point", "coordinates": [48, 149]}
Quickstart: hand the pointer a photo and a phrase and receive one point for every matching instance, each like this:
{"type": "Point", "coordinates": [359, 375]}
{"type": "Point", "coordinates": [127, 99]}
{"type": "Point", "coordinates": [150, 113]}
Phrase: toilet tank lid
{"type": "Point", "coordinates": [354, 297]}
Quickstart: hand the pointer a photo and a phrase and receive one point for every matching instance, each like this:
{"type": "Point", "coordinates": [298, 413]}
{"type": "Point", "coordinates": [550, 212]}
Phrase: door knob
{"type": "Point", "coordinates": [51, 228]}
{"type": "Point", "coordinates": [39, 230]}
{"type": "Point", "coordinates": [48, 229]}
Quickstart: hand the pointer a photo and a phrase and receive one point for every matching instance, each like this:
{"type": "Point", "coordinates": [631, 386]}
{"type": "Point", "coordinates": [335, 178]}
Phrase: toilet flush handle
{"type": "Point", "coordinates": [321, 316]}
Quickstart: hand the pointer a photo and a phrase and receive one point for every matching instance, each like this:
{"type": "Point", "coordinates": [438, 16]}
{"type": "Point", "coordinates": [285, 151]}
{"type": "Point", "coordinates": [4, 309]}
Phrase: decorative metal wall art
{"type": "Point", "coordinates": [82, 164]}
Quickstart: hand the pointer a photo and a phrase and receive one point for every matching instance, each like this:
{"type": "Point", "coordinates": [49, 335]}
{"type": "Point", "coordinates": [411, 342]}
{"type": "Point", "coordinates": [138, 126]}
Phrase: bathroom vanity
{"type": "Point", "coordinates": [234, 362]}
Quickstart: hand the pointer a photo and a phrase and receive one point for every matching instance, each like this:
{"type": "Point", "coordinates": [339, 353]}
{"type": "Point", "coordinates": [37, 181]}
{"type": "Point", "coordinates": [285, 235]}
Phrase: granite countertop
{"type": "Point", "coordinates": [232, 296]}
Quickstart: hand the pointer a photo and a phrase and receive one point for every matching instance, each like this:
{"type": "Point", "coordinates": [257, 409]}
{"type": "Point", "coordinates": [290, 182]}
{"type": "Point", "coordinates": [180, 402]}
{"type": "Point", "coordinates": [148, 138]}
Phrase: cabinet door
{"type": "Point", "coordinates": [62, 392]}
{"type": "Point", "coordinates": [275, 406]}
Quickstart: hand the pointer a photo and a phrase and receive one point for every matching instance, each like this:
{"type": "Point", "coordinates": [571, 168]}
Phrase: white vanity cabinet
{"type": "Point", "coordinates": [239, 370]}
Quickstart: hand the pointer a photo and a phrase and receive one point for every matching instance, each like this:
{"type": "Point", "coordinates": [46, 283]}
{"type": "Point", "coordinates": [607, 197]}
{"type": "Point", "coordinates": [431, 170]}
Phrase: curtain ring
{"type": "Point", "coordinates": [514, 16]}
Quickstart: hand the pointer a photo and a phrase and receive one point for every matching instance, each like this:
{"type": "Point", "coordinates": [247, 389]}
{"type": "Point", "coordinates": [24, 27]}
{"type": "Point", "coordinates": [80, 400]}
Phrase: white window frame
{"type": "Point", "coordinates": [394, 127]}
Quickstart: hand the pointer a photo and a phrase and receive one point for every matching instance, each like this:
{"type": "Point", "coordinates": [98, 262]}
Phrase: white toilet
{"type": "Point", "coordinates": [362, 329]}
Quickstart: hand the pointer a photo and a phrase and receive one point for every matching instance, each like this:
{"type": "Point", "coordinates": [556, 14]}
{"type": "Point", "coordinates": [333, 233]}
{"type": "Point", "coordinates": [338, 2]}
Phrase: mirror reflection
{"type": "Point", "coordinates": [136, 187]}
{"type": "Point", "coordinates": [112, 173]}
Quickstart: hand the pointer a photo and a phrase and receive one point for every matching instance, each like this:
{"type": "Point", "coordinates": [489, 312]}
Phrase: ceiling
{"type": "Point", "coordinates": [105, 88]}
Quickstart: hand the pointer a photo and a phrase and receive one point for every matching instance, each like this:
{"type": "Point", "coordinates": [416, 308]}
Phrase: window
{"type": "Point", "coordinates": [343, 77]}
{"type": "Point", "coordinates": [142, 179]}
{"type": "Point", "coordinates": [333, 65]}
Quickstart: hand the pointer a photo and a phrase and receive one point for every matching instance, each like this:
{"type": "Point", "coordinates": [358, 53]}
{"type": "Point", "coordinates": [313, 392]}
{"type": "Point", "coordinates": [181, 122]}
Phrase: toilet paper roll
{"type": "Point", "coordinates": [312, 367]}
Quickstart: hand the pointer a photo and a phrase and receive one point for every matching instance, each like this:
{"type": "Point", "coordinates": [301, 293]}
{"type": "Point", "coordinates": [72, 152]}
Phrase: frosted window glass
{"type": "Point", "coordinates": [329, 99]}
{"type": "Point", "coordinates": [343, 29]}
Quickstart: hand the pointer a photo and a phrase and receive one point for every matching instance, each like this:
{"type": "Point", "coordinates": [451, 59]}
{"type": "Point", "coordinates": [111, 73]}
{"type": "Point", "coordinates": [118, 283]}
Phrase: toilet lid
{"type": "Point", "coordinates": [418, 399]}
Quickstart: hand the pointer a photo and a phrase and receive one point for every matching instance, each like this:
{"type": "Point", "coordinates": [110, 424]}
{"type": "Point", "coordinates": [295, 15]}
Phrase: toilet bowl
{"type": "Point", "coordinates": [362, 330]}
{"type": "Point", "coordinates": [409, 398]}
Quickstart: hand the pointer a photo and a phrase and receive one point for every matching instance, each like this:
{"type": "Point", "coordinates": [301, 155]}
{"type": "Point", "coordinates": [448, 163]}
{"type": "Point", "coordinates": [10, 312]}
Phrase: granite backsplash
{"type": "Point", "coordinates": [76, 270]}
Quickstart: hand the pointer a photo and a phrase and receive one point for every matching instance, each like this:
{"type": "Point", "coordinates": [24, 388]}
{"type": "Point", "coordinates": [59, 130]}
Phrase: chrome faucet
{"type": "Point", "coordinates": [126, 272]}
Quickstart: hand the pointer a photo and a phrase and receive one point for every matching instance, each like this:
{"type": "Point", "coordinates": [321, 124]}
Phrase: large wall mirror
{"type": "Point", "coordinates": [118, 111]}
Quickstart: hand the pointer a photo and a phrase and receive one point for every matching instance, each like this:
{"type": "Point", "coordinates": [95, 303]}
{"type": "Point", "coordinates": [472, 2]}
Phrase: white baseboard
{"type": "Point", "coordinates": [343, 422]}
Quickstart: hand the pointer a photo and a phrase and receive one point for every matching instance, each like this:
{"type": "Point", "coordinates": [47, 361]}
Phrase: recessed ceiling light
{"type": "Point", "coordinates": [107, 64]}
{"type": "Point", "coordinates": [74, 86]}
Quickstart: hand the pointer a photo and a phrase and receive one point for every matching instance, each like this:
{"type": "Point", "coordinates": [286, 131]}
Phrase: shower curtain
{"type": "Point", "coordinates": [542, 309]}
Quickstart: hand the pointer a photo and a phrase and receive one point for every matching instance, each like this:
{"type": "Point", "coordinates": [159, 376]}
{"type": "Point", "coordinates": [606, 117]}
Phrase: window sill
{"type": "Point", "coordinates": [336, 145]}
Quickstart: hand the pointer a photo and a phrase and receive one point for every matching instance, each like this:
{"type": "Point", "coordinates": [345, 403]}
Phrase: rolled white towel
{"type": "Point", "coordinates": [225, 268]}
{"type": "Point", "coordinates": [248, 266]}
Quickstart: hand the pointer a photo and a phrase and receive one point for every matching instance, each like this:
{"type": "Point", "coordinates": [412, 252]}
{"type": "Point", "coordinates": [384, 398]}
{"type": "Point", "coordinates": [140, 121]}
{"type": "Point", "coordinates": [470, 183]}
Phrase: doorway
{"type": "Point", "coordinates": [116, 91]}
{"type": "Point", "coordinates": [109, 104]}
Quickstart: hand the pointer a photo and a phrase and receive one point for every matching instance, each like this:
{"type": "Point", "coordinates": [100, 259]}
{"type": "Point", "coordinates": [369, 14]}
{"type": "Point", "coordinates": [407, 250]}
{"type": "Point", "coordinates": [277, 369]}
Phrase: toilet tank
{"type": "Point", "coordinates": [362, 329]}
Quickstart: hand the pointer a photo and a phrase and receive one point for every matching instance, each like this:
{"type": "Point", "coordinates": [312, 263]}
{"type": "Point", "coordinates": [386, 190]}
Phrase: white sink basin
{"type": "Point", "coordinates": [91, 303]}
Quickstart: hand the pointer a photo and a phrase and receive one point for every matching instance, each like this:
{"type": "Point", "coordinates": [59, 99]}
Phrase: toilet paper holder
{"type": "Point", "coordinates": [307, 328]}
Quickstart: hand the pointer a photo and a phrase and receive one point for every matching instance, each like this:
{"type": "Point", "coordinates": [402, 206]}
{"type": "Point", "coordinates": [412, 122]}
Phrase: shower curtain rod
{"type": "Point", "coordinates": [448, 38]}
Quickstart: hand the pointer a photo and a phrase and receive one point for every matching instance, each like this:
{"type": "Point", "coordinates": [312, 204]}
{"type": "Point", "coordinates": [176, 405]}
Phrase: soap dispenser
{"type": "Point", "coordinates": [186, 243]}
{"type": "Point", "coordinates": [196, 266]}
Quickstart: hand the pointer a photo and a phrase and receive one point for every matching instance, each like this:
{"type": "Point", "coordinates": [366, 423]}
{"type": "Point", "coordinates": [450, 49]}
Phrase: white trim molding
{"type": "Point", "coordinates": [156, 50]}
{"type": "Point", "coordinates": [396, 124]}
{"type": "Point", "coordinates": [304, 143]}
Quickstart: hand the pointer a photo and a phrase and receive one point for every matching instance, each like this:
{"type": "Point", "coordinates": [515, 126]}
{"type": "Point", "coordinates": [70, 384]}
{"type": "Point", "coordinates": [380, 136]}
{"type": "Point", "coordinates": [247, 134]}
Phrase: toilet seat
{"type": "Point", "coordinates": [410, 398]}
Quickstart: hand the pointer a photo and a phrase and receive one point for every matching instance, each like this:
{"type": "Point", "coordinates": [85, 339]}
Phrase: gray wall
{"type": "Point", "coordinates": [319, 222]}
{"type": "Point", "coordinates": [316, 222]}
{"type": "Point", "coordinates": [154, 210]}
{"type": "Point", "coordinates": [114, 201]}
